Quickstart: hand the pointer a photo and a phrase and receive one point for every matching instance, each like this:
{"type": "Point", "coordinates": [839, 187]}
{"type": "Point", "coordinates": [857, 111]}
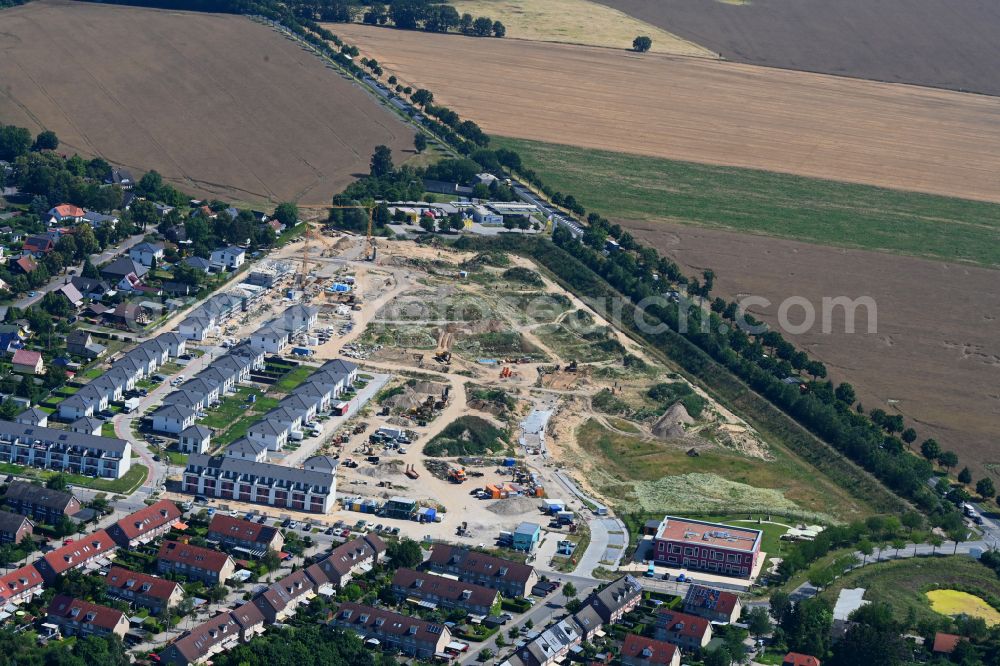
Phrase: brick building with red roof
{"type": "Point", "coordinates": [640, 651]}
{"type": "Point", "coordinates": [711, 547]}
{"type": "Point", "coordinates": [144, 525]}
{"type": "Point", "coordinates": [20, 585]}
{"type": "Point", "coordinates": [690, 632]}
{"type": "Point", "coordinates": [76, 617]}
{"type": "Point", "coordinates": [194, 562]}
{"type": "Point", "coordinates": [143, 590]}
{"type": "Point", "coordinates": [75, 555]}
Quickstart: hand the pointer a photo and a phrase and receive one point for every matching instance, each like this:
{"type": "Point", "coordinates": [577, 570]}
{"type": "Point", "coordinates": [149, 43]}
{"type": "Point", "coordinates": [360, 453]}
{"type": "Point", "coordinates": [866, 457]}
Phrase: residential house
{"type": "Point", "coordinates": [91, 288]}
{"type": "Point", "coordinates": [799, 659]}
{"type": "Point", "coordinates": [41, 504]}
{"type": "Point", "coordinates": [279, 601]}
{"type": "Point", "coordinates": [690, 632]}
{"type": "Point", "coordinates": [642, 651]}
{"type": "Point", "coordinates": [433, 591]}
{"type": "Point", "coordinates": [145, 525]}
{"type": "Point", "coordinates": [173, 419]}
{"type": "Point", "coordinates": [196, 563]}
{"type": "Point", "coordinates": [65, 214]}
{"type": "Point", "coordinates": [411, 636]}
{"type": "Point", "coordinates": [512, 579]}
{"type": "Point", "coordinates": [194, 439]}
{"type": "Point", "coordinates": [551, 646]}
{"type": "Point", "coordinates": [262, 483]}
{"type": "Point", "coordinates": [87, 551]}
{"type": "Point", "coordinates": [95, 219]}
{"type": "Point", "coordinates": [250, 620]}
{"type": "Point", "coordinates": [616, 599]}
{"type": "Point", "coordinates": [253, 539]}
{"type": "Point", "coordinates": [76, 617]}
{"type": "Point", "coordinates": [229, 258]}
{"type": "Point", "coordinates": [120, 177]}
{"type": "Point", "coordinates": [87, 425]}
{"type": "Point", "coordinates": [48, 448]}
{"type": "Point", "coordinates": [38, 245]}
{"type": "Point", "coordinates": [347, 560]}
{"type": "Point", "coordinates": [270, 432]}
{"type": "Point", "coordinates": [147, 253]}
{"type": "Point", "coordinates": [33, 416]}
{"type": "Point", "coordinates": [145, 591]}
{"type": "Point", "coordinates": [14, 527]}
{"type": "Point", "coordinates": [21, 585]}
{"type": "Point", "coordinates": [713, 605]}
{"type": "Point", "coordinates": [247, 449]}
{"type": "Point", "coordinates": [704, 546]}
{"type": "Point", "coordinates": [121, 268]}
{"type": "Point", "coordinates": [207, 639]}
{"type": "Point", "coordinates": [272, 339]}
{"type": "Point", "coordinates": [81, 343]}
{"type": "Point", "coordinates": [25, 264]}
{"type": "Point", "coordinates": [198, 263]}
{"type": "Point", "coordinates": [28, 362]}
{"type": "Point", "coordinates": [198, 327]}
{"type": "Point", "coordinates": [71, 294]}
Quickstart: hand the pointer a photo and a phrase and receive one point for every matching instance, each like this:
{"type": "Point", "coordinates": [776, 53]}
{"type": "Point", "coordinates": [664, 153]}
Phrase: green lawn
{"type": "Point", "coordinates": [293, 379]}
{"type": "Point", "coordinates": [125, 485]}
{"type": "Point", "coordinates": [902, 583]}
{"type": "Point", "coordinates": [231, 418]}
{"type": "Point", "coordinates": [630, 187]}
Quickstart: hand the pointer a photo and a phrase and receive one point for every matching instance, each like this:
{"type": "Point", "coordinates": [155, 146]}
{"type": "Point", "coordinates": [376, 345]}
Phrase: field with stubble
{"type": "Point", "coordinates": [221, 106]}
{"type": "Point", "coordinates": [895, 136]}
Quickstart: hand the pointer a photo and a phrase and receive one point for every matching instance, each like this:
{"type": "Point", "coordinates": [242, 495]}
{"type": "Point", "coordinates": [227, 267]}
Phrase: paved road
{"type": "Point", "coordinates": [96, 259]}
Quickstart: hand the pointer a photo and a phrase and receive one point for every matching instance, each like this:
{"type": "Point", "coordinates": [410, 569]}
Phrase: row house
{"type": "Point", "coordinates": [209, 638]}
{"type": "Point", "coordinates": [138, 363]}
{"type": "Point", "coordinates": [433, 591]}
{"type": "Point", "coordinates": [642, 651]}
{"type": "Point", "coordinates": [411, 636]}
{"type": "Point", "coordinates": [281, 599]}
{"type": "Point", "coordinates": [14, 528]}
{"type": "Point", "coordinates": [41, 504]}
{"type": "Point", "coordinates": [552, 645]}
{"type": "Point", "coordinates": [247, 449]}
{"type": "Point", "coordinates": [616, 599]}
{"type": "Point", "coordinates": [87, 551]}
{"type": "Point", "coordinates": [254, 539]}
{"type": "Point", "coordinates": [145, 525]}
{"type": "Point", "coordinates": [173, 419]}
{"type": "Point", "coordinates": [689, 632]}
{"type": "Point", "coordinates": [194, 562]}
{"type": "Point", "coordinates": [208, 318]}
{"type": "Point", "coordinates": [21, 585]}
{"type": "Point", "coordinates": [227, 477]}
{"type": "Point", "coordinates": [512, 579]}
{"type": "Point", "coordinates": [713, 605]}
{"type": "Point", "coordinates": [194, 439]}
{"type": "Point", "coordinates": [145, 591]}
{"type": "Point", "coordinates": [347, 560]}
{"type": "Point", "coordinates": [76, 617]}
{"type": "Point", "coordinates": [63, 450]}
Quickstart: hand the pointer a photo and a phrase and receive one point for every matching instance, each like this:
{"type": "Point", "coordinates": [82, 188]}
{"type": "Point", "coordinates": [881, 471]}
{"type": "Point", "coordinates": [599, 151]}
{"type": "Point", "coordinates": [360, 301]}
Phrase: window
{"type": "Point", "coordinates": [716, 555]}
{"type": "Point", "coordinates": [732, 558]}
{"type": "Point", "coordinates": [675, 549]}
{"type": "Point", "coordinates": [690, 551]}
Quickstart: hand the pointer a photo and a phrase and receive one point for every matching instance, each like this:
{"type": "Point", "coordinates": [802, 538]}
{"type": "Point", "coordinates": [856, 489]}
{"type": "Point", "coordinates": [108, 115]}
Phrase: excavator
{"type": "Point", "coordinates": [443, 352]}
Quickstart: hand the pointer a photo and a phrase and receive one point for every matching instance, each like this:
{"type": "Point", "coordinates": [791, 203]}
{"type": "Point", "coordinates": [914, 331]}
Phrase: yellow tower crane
{"type": "Point", "coordinates": [370, 239]}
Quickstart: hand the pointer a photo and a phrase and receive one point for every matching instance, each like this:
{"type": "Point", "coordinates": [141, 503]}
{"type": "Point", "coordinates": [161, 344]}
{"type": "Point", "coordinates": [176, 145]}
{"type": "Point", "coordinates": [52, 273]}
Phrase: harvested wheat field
{"type": "Point", "coordinates": [935, 357]}
{"type": "Point", "coordinates": [218, 104]}
{"type": "Point", "coordinates": [577, 22]}
{"type": "Point", "coordinates": [705, 111]}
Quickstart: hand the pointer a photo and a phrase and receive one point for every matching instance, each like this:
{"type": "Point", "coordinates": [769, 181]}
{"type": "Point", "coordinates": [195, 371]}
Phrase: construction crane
{"type": "Point", "coordinates": [308, 238]}
{"type": "Point", "coordinates": [369, 239]}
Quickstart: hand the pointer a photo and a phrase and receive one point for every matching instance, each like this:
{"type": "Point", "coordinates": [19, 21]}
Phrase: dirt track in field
{"type": "Point", "coordinates": [895, 136]}
{"type": "Point", "coordinates": [219, 105]}
{"type": "Point", "coordinates": [941, 43]}
{"type": "Point", "coordinates": [935, 356]}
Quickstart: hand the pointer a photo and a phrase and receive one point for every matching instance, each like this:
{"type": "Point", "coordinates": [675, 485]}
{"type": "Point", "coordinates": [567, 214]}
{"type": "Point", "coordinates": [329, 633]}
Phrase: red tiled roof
{"type": "Point", "coordinates": [126, 580]}
{"type": "Point", "coordinates": [946, 643]}
{"type": "Point", "coordinates": [690, 626]}
{"type": "Point", "coordinates": [148, 519]}
{"type": "Point", "coordinates": [798, 659]}
{"type": "Point", "coordinates": [69, 210]}
{"type": "Point", "coordinates": [199, 641]}
{"type": "Point", "coordinates": [84, 611]}
{"type": "Point", "coordinates": [26, 264]}
{"type": "Point", "coordinates": [18, 581]}
{"type": "Point", "coordinates": [421, 584]}
{"type": "Point", "coordinates": [196, 556]}
{"type": "Point", "coordinates": [72, 555]}
{"type": "Point", "coordinates": [237, 528]}
{"type": "Point", "coordinates": [25, 357]}
{"type": "Point", "coordinates": [480, 563]}
{"type": "Point", "coordinates": [706, 598]}
{"type": "Point", "coordinates": [652, 651]}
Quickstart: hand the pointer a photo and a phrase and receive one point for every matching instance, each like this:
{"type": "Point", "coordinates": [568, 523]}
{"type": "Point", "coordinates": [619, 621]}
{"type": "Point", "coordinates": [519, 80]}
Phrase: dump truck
{"type": "Point", "coordinates": [457, 475]}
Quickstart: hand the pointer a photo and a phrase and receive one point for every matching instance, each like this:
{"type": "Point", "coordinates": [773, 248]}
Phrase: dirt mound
{"type": "Point", "coordinates": [671, 424]}
{"type": "Point", "coordinates": [737, 437]}
{"type": "Point", "coordinates": [513, 506]}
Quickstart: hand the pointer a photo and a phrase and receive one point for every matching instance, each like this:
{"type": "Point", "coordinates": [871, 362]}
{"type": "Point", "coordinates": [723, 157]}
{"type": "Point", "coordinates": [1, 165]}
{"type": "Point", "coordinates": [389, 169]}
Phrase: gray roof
{"type": "Point", "coordinates": [39, 495]}
{"type": "Point", "coordinates": [269, 427]}
{"type": "Point", "coordinates": [148, 247]}
{"type": "Point", "coordinates": [90, 424]}
{"type": "Point", "coordinates": [197, 262]}
{"type": "Point", "coordinates": [339, 365]}
{"type": "Point", "coordinates": [179, 412]}
{"type": "Point", "coordinates": [261, 469]}
{"type": "Point", "coordinates": [196, 432]}
{"type": "Point", "coordinates": [322, 462]}
{"type": "Point", "coordinates": [245, 447]}
{"type": "Point", "coordinates": [35, 415]}
{"type": "Point", "coordinates": [11, 522]}
{"type": "Point", "coordinates": [182, 397]}
{"type": "Point", "coordinates": [123, 266]}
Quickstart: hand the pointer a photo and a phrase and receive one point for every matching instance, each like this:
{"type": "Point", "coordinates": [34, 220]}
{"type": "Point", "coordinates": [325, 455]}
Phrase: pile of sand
{"type": "Point", "coordinates": [671, 424]}
{"type": "Point", "coordinates": [513, 506]}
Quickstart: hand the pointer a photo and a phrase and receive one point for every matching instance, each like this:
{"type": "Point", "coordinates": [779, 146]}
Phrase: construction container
{"type": "Point", "coordinates": [509, 462]}
{"type": "Point", "coordinates": [539, 491]}
{"type": "Point", "coordinates": [552, 506]}
{"type": "Point", "coordinates": [426, 514]}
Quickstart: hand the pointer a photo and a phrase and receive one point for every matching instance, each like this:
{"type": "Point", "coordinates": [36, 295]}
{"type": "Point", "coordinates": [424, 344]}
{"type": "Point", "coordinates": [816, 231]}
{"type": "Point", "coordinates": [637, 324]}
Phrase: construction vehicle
{"type": "Point", "coordinates": [572, 366]}
{"type": "Point", "coordinates": [370, 248]}
{"type": "Point", "coordinates": [443, 352]}
{"type": "Point", "coordinates": [411, 471]}
{"type": "Point", "coordinates": [457, 475]}
{"type": "Point", "coordinates": [506, 372]}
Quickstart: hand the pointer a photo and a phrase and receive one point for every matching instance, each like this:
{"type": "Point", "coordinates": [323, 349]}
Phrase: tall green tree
{"type": "Point", "coordinates": [381, 162]}
{"type": "Point", "coordinates": [641, 44]}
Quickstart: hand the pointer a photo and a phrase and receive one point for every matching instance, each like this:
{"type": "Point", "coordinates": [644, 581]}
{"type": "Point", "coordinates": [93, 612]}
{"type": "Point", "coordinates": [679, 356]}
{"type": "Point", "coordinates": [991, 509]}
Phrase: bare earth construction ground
{"type": "Point", "coordinates": [941, 43]}
{"type": "Point", "coordinates": [896, 136]}
{"type": "Point", "coordinates": [221, 106]}
{"type": "Point", "coordinates": [936, 356]}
